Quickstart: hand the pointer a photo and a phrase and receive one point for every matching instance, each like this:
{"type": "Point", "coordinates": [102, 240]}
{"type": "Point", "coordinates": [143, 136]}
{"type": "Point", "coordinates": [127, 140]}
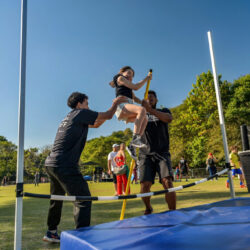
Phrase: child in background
{"type": "Point", "coordinates": [177, 173]}
{"type": "Point", "coordinates": [236, 165]}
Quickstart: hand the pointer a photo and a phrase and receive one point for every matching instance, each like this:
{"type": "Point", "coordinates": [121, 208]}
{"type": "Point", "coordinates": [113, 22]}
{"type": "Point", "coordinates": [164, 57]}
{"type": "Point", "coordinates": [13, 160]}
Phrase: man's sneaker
{"type": "Point", "coordinates": [51, 237]}
{"type": "Point", "coordinates": [137, 142]}
{"type": "Point", "coordinates": [227, 184]}
{"type": "Point", "coordinates": [131, 151]}
{"type": "Point", "coordinates": [148, 211]}
{"type": "Point", "coordinates": [242, 186]}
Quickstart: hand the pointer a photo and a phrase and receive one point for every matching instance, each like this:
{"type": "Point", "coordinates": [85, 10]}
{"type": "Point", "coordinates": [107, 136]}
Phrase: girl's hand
{"type": "Point", "coordinates": [149, 76]}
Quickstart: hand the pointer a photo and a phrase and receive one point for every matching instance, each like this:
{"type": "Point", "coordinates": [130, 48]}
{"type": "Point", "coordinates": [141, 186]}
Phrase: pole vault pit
{"type": "Point", "coordinates": [220, 225]}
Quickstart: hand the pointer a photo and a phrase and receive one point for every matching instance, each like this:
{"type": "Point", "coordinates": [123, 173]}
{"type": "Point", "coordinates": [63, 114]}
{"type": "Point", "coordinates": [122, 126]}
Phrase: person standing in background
{"type": "Point", "coordinates": [183, 165]}
{"type": "Point", "coordinates": [235, 165]}
{"type": "Point", "coordinates": [211, 167]}
{"type": "Point", "coordinates": [112, 164]}
{"type": "Point", "coordinates": [37, 178]}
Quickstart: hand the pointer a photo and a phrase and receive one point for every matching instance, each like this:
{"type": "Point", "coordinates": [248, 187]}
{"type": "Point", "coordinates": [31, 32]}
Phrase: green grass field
{"type": "Point", "coordinates": [35, 210]}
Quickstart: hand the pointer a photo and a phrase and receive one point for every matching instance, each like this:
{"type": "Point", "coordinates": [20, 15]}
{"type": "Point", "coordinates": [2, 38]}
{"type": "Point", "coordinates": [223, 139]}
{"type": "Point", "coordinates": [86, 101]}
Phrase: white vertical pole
{"type": "Point", "coordinates": [21, 118]}
{"type": "Point", "coordinates": [220, 110]}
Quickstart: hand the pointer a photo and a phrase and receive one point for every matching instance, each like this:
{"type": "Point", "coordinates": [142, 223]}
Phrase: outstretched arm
{"type": "Point", "coordinates": [103, 116]}
{"type": "Point", "coordinates": [97, 123]}
{"type": "Point", "coordinates": [135, 86]}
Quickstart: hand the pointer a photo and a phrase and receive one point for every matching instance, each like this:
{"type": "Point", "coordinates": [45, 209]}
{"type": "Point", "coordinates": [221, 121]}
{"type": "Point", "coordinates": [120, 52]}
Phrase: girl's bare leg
{"type": "Point", "coordinates": [132, 111]}
{"type": "Point", "coordinates": [144, 125]}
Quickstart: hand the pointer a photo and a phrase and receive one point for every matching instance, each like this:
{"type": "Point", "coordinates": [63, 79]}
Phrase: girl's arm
{"type": "Point", "coordinates": [124, 158]}
{"type": "Point", "coordinates": [135, 86]}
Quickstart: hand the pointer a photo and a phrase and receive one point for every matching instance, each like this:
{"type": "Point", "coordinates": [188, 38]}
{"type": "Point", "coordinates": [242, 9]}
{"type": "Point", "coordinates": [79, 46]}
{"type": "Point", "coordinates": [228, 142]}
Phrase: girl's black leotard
{"type": "Point", "coordinates": [122, 90]}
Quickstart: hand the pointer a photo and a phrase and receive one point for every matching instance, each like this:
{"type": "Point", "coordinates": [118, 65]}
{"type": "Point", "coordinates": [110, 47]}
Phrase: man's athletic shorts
{"type": "Point", "coordinates": [149, 165]}
{"type": "Point", "coordinates": [236, 171]}
{"type": "Point", "coordinates": [114, 177]}
{"type": "Point", "coordinates": [184, 171]}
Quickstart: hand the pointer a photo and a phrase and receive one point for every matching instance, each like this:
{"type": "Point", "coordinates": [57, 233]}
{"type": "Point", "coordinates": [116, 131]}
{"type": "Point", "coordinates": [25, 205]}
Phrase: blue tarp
{"type": "Point", "coordinates": [220, 225]}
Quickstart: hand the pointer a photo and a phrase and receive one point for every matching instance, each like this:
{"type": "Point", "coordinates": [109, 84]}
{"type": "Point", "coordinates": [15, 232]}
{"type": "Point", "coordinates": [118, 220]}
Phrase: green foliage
{"type": "Point", "coordinates": [8, 156]}
{"type": "Point", "coordinates": [194, 132]}
{"type": "Point", "coordinates": [238, 111]}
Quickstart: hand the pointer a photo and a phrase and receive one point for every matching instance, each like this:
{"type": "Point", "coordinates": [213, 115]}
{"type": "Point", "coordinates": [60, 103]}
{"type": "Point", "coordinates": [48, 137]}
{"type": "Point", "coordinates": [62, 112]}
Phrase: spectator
{"type": "Point", "coordinates": [4, 181]}
{"type": "Point", "coordinates": [235, 165]}
{"type": "Point", "coordinates": [134, 175]}
{"type": "Point", "coordinates": [37, 178]}
{"type": "Point", "coordinates": [120, 160]}
{"type": "Point", "coordinates": [177, 173]}
{"type": "Point", "coordinates": [211, 167]}
{"type": "Point", "coordinates": [112, 164]}
{"type": "Point", "coordinates": [183, 165]}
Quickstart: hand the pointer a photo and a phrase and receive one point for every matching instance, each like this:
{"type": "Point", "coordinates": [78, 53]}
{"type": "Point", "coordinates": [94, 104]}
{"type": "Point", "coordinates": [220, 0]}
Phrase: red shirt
{"type": "Point", "coordinates": [120, 161]}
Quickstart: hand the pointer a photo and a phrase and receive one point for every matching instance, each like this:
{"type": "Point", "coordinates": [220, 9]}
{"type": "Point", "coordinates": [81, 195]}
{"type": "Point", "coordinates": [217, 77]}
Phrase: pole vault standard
{"type": "Point", "coordinates": [220, 110]}
{"type": "Point", "coordinates": [21, 116]}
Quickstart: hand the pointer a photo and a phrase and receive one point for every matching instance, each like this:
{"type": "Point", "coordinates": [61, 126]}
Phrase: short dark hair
{"type": "Point", "coordinates": [152, 92]}
{"type": "Point", "coordinates": [76, 97]}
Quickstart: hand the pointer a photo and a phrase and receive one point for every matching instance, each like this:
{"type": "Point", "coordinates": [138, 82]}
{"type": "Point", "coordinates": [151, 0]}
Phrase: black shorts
{"type": "Point", "coordinates": [114, 178]}
{"type": "Point", "coordinates": [149, 165]}
{"type": "Point", "coordinates": [184, 171]}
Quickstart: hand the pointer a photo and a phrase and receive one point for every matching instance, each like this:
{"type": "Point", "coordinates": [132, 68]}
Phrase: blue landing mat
{"type": "Point", "coordinates": [220, 225]}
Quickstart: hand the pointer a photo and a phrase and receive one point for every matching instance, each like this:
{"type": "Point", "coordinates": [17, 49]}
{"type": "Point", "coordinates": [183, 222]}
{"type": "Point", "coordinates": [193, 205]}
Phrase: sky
{"type": "Point", "coordinates": [80, 45]}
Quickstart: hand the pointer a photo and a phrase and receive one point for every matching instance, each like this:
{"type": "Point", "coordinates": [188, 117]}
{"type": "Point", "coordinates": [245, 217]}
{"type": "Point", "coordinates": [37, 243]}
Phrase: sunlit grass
{"type": "Point", "coordinates": [35, 210]}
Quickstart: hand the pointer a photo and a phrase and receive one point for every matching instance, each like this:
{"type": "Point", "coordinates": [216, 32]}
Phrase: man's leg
{"type": "Point", "coordinates": [145, 188]}
{"type": "Point", "coordinates": [115, 182]}
{"type": "Point", "coordinates": [147, 173]}
{"type": "Point", "coordinates": [166, 175]}
{"type": "Point", "coordinates": [74, 184]}
{"type": "Point", "coordinates": [55, 209]}
{"type": "Point", "coordinates": [169, 197]}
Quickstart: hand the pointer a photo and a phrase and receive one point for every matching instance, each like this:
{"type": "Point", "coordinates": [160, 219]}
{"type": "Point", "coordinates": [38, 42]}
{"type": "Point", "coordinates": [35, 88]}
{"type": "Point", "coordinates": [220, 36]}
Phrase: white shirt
{"type": "Point", "coordinates": [111, 157]}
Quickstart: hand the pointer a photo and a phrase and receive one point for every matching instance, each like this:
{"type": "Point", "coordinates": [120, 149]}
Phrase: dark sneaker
{"type": "Point", "coordinates": [137, 142]}
{"type": "Point", "coordinates": [51, 237]}
{"type": "Point", "coordinates": [148, 211]}
{"type": "Point", "coordinates": [131, 151]}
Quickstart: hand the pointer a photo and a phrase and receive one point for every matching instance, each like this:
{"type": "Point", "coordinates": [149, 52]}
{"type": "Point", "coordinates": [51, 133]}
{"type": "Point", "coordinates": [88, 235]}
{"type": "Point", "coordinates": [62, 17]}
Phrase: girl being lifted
{"type": "Point", "coordinates": [128, 111]}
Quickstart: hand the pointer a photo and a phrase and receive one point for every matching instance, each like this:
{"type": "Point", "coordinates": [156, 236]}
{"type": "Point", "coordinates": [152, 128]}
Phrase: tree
{"type": "Point", "coordinates": [8, 157]}
{"type": "Point", "coordinates": [238, 111]}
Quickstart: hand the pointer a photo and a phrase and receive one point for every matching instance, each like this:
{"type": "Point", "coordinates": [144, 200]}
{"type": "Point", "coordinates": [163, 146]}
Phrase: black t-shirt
{"type": "Point", "coordinates": [156, 134]}
{"type": "Point", "coordinates": [122, 90]}
{"type": "Point", "coordinates": [210, 162]}
{"type": "Point", "coordinates": [70, 138]}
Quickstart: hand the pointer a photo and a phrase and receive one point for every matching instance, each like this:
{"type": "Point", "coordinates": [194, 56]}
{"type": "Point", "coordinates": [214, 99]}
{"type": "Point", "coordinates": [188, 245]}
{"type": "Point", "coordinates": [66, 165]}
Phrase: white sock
{"type": "Point", "coordinates": [53, 231]}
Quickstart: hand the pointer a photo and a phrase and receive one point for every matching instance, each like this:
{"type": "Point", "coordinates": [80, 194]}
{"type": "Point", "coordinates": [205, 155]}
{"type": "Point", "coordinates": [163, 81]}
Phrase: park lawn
{"type": "Point", "coordinates": [35, 210]}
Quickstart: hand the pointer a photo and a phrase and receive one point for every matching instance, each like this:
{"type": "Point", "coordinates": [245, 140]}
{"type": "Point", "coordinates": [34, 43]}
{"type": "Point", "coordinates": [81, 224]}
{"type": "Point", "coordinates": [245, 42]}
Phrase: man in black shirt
{"type": "Point", "coordinates": [156, 157]}
{"type": "Point", "coordinates": [62, 163]}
